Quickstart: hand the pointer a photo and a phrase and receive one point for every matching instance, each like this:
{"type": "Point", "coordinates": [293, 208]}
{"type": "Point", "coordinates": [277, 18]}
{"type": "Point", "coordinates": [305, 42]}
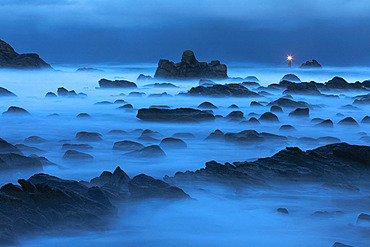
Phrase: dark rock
{"type": "Point", "coordinates": [235, 116]}
{"type": "Point", "coordinates": [25, 148]}
{"type": "Point", "coordinates": [104, 83]}
{"type": "Point", "coordinates": [65, 93]}
{"type": "Point", "coordinates": [348, 121]}
{"type": "Point", "coordinates": [118, 178]}
{"type": "Point", "coordinates": [83, 116]}
{"type": "Point", "coordinates": [206, 83]}
{"type": "Point", "coordinates": [5, 92]}
{"type": "Point", "coordinates": [84, 69]}
{"type": "Point", "coordinates": [288, 103]}
{"type": "Point", "coordinates": [143, 77]}
{"type": "Point", "coordinates": [160, 106]}
{"type": "Point", "coordinates": [302, 88]}
{"type": "Point", "coordinates": [338, 244]}
{"type": "Point", "coordinates": [174, 115]}
{"type": "Point", "coordinates": [349, 107]}
{"type": "Point", "coordinates": [14, 110]}
{"type": "Point", "coordinates": [233, 106]}
{"type": "Point", "coordinates": [67, 146]}
{"type": "Point", "coordinates": [207, 105]}
{"type": "Point", "coordinates": [362, 99]}
{"type": "Point", "coordinates": [170, 142]}
{"type": "Point", "coordinates": [11, 59]}
{"type": "Point", "coordinates": [76, 155]}
{"type": "Point", "coordinates": [287, 127]}
{"type": "Point", "coordinates": [300, 112]}
{"type": "Point", "coordinates": [282, 210]}
{"type": "Point", "coordinates": [136, 94]}
{"type": "Point", "coordinates": [119, 101]}
{"type": "Point", "coordinates": [164, 85]}
{"type": "Point", "coordinates": [34, 139]}
{"type": "Point", "coordinates": [310, 65]}
{"type": "Point", "coordinates": [338, 83]}
{"type": "Point", "coordinates": [366, 120]}
{"type": "Point", "coordinates": [252, 120]}
{"type": "Point", "coordinates": [127, 146]}
{"type": "Point", "coordinates": [14, 161]}
{"type": "Point", "coordinates": [126, 106]}
{"type": "Point", "coordinates": [164, 94]}
{"type": "Point", "coordinates": [153, 151]}
{"type": "Point", "coordinates": [118, 132]}
{"type": "Point", "coordinates": [328, 139]}
{"type": "Point", "coordinates": [216, 135]}
{"type": "Point", "coordinates": [144, 187]}
{"type": "Point", "coordinates": [190, 68]}
{"type": "Point", "coordinates": [363, 218]}
{"type": "Point", "coordinates": [276, 109]}
{"type": "Point", "coordinates": [254, 104]}
{"type": "Point", "coordinates": [50, 95]}
{"type": "Point", "coordinates": [6, 147]}
{"type": "Point", "coordinates": [227, 90]}
{"type": "Point", "coordinates": [103, 103]}
{"type": "Point", "coordinates": [291, 78]}
{"type": "Point", "coordinates": [247, 137]}
{"type": "Point", "coordinates": [326, 123]}
{"type": "Point", "coordinates": [88, 136]}
{"type": "Point", "coordinates": [269, 117]}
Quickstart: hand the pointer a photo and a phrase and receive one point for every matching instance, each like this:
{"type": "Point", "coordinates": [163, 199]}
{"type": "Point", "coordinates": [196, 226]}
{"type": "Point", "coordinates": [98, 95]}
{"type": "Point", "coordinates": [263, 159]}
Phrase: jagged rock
{"type": "Point", "coordinates": [174, 115]}
{"type": "Point", "coordinates": [366, 120]}
{"type": "Point", "coordinates": [50, 95]}
{"type": "Point", "coordinates": [287, 127]}
{"type": "Point", "coordinates": [325, 123]}
{"type": "Point", "coordinates": [62, 92]}
{"type": "Point", "coordinates": [118, 178]}
{"type": "Point", "coordinates": [276, 109]}
{"type": "Point", "coordinates": [127, 146]}
{"type": "Point", "coordinates": [282, 210]}
{"type": "Point", "coordinates": [143, 77]}
{"type": "Point", "coordinates": [207, 105]}
{"type": "Point", "coordinates": [227, 90]}
{"type": "Point", "coordinates": [300, 112]}
{"type": "Point", "coordinates": [76, 155]}
{"type": "Point", "coordinates": [348, 121]}
{"type": "Point", "coordinates": [11, 59]}
{"type": "Point", "coordinates": [169, 143]}
{"type": "Point", "coordinates": [216, 135]}
{"type": "Point", "coordinates": [291, 78]}
{"type": "Point", "coordinates": [34, 139]}
{"type": "Point", "coordinates": [190, 68]}
{"type": "Point", "coordinates": [14, 110]}
{"type": "Point", "coordinates": [104, 83]}
{"type": "Point", "coordinates": [288, 103]}
{"type": "Point", "coordinates": [310, 65]}
{"type": "Point", "coordinates": [269, 117]}
{"type": "Point", "coordinates": [67, 146]}
{"type": "Point", "coordinates": [153, 151]}
{"type": "Point", "coordinates": [338, 83]}
{"type": "Point", "coordinates": [143, 187]}
{"type": "Point", "coordinates": [6, 93]}
{"type": "Point", "coordinates": [6, 147]}
{"type": "Point", "coordinates": [83, 116]}
{"type": "Point", "coordinates": [88, 136]}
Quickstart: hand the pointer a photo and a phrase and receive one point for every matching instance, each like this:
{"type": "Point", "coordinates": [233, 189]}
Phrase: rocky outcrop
{"type": "Point", "coordinates": [6, 93]}
{"type": "Point", "coordinates": [190, 68]}
{"type": "Point", "coordinates": [310, 65]}
{"type": "Point", "coordinates": [104, 83]}
{"type": "Point", "coordinates": [291, 78]}
{"type": "Point", "coordinates": [340, 162]}
{"type": "Point", "coordinates": [11, 59]}
{"type": "Point", "coordinates": [174, 115]}
{"type": "Point", "coordinates": [16, 111]}
{"type": "Point", "coordinates": [227, 90]}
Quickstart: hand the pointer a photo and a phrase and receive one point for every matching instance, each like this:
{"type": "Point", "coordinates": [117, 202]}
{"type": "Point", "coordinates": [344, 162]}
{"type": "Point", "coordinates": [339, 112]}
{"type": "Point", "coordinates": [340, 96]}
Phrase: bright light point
{"type": "Point", "coordinates": [290, 58]}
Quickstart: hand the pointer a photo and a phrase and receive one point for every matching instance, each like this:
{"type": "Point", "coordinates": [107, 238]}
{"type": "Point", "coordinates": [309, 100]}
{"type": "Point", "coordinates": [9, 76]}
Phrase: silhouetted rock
{"type": "Point", "coordinates": [300, 112]}
{"type": "Point", "coordinates": [6, 147]}
{"type": "Point", "coordinates": [282, 210]}
{"type": "Point", "coordinates": [302, 88]}
{"type": "Point", "coordinates": [207, 105]}
{"type": "Point", "coordinates": [252, 120]}
{"type": "Point", "coordinates": [170, 142]}
{"type": "Point", "coordinates": [287, 127]}
{"type": "Point", "coordinates": [11, 59]}
{"type": "Point", "coordinates": [144, 187]}
{"type": "Point", "coordinates": [174, 115]}
{"type": "Point", "coordinates": [276, 109]}
{"type": "Point", "coordinates": [118, 178]}
{"type": "Point", "coordinates": [235, 116]}
{"type": "Point", "coordinates": [338, 83]}
{"type": "Point", "coordinates": [291, 78]}
{"type": "Point", "coordinates": [34, 139]}
{"type": "Point", "coordinates": [50, 95]}
{"type": "Point", "coordinates": [310, 65]}
{"type": "Point", "coordinates": [247, 137]}
{"type": "Point", "coordinates": [363, 218]}
{"type": "Point", "coordinates": [338, 244]}
{"type": "Point", "coordinates": [6, 93]}
{"type": "Point", "coordinates": [216, 135]}
{"type": "Point", "coordinates": [153, 151]}
{"type": "Point", "coordinates": [366, 120]}
{"type": "Point", "coordinates": [190, 68]}
{"type": "Point", "coordinates": [76, 155]}
{"type": "Point", "coordinates": [164, 85]}
{"type": "Point", "coordinates": [362, 99]}
{"type": "Point", "coordinates": [227, 90]}
{"type": "Point", "coordinates": [88, 136]}
{"type": "Point", "coordinates": [67, 146]}
{"type": "Point", "coordinates": [206, 83]}
{"type": "Point", "coordinates": [104, 83]}
{"type": "Point", "coordinates": [83, 116]}
{"type": "Point", "coordinates": [16, 161]}
{"type": "Point", "coordinates": [233, 106]}
{"type": "Point", "coordinates": [326, 123]}
{"type": "Point", "coordinates": [143, 77]}
{"type": "Point", "coordinates": [288, 103]}
{"type": "Point", "coordinates": [84, 69]}
{"type": "Point", "coordinates": [269, 117]}
{"type": "Point", "coordinates": [105, 102]}
{"type": "Point", "coordinates": [349, 107]}
{"type": "Point", "coordinates": [126, 106]}
{"type": "Point", "coordinates": [14, 110]}
{"type": "Point", "coordinates": [127, 145]}
{"type": "Point", "coordinates": [348, 121]}
{"type": "Point", "coordinates": [255, 104]}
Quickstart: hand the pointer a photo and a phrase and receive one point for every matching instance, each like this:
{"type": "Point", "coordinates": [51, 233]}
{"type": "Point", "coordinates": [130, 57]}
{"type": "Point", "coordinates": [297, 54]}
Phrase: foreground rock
{"type": "Point", "coordinates": [174, 115]}
{"type": "Point", "coordinates": [190, 68]}
{"type": "Point", "coordinates": [227, 90]}
{"type": "Point", "coordinates": [11, 59]}
{"type": "Point", "coordinates": [341, 163]}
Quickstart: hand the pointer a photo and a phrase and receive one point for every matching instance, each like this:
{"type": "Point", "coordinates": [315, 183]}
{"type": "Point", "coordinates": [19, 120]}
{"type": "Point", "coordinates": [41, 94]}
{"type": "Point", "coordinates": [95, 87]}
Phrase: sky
{"type": "Point", "coordinates": [335, 32]}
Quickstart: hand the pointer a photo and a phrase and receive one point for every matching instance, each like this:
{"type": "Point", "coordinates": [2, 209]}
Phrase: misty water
{"type": "Point", "coordinates": [217, 216]}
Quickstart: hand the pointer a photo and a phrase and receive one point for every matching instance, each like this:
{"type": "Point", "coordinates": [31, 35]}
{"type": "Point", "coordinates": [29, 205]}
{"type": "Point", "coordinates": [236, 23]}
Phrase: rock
{"type": "Point", "coordinates": [366, 120]}
{"type": "Point", "coordinates": [103, 103]}
{"type": "Point", "coordinates": [338, 244]}
{"type": "Point", "coordinates": [255, 104]}
{"type": "Point", "coordinates": [310, 65]}
{"type": "Point", "coordinates": [136, 94]}
{"type": "Point", "coordinates": [207, 105]}
{"type": "Point", "coordinates": [300, 112]}
{"type": "Point", "coordinates": [50, 95]}
{"type": "Point", "coordinates": [160, 106]}
{"type": "Point", "coordinates": [11, 59]}
{"type": "Point", "coordinates": [62, 92]}
{"type": "Point", "coordinates": [282, 210]}
{"type": "Point", "coordinates": [25, 148]}
{"type": "Point", "coordinates": [84, 69]}
{"type": "Point", "coordinates": [338, 83]}
{"type": "Point", "coordinates": [288, 103]}
{"type": "Point", "coordinates": [144, 187]}
{"type": "Point", "coordinates": [252, 120]}
{"type": "Point", "coordinates": [328, 139]}
{"type": "Point", "coordinates": [349, 107]}
{"type": "Point", "coordinates": [143, 77]}
{"type": "Point", "coordinates": [127, 146]}
{"type": "Point", "coordinates": [67, 146]}
{"type": "Point", "coordinates": [291, 78]}
{"type": "Point", "coordinates": [104, 83]}
{"type": "Point", "coordinates": [206, 83]}
{"type": "Point", "coordinates": [164, 85]}
{"type": "Point", "coordinates": [233, 106]}
{"type": "Point", "coordinates": [174, 115]}
{"type": "Point", "coordinates": [34, 139]}
{"type": "Point", "coordinates": [216, 135]}
{"type": "Point", "coordinates": [5, 92]}
{"type": "Point", "coordinates": [287, 127]}
{"type": "Point", "coordinates": [118, 132]}
{"type": "Point", "coordinates": [326, 123]}
{"type": "Point", "coordinates": [348, 121]}
{"type": "Point", "coordinates": [88, 136]}
{"type": "Point", "coordinates": [16, 111]}
{"type": "Point", "coordinates": [83, 116]}
{"type": "Point", "coordinates": [118, 178]}
{"type": "Point", "coordinates": [362, 99]}
{"type": "Point", "coordinates": [251, 81]}
{"type": "Point", "coordinates": [247, 137]}
{"type": "Point", "coordinates": [164, 94]}
{"type": "Point", "coordinates": [76, 155]}
{"type": "Point", "coordinates": [170, 143]}
{"type": "Point", "coordinates": [190, 68]}
{"type": "Point", "coordinates": [119, 101]}
{"type": "Point", "coordinates": [6, 147]}
{"type": "Point", "coordinates": [276, 109]}
{"type": "Point", "coordinates": [302, 88]}
{"type": "Point", "coordinates": [153, 151]}
{"type": "Point", "coordinates": [227, 90]}
{"type": "Point", "coordinates": [126, 106]}
{"type": "Point", "coordinates": [269, 117]}
{"type": "Point", "coordinates": [14, 161]}
{"type": "Point", "coordinates": [235, 116]}
{"type": "Point", "coordinates": [363, 218]}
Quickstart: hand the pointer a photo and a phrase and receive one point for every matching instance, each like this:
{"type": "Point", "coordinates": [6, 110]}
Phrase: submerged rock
{"type": "Point", "coordinates": [190, 68]}
{"type": "Point", "coordinates": [67, 146]}
{"type": "Point", "coordinates": [227, 90]}
{"type": "Point", "coordinates": [127, 145]}
{"type": "Point", "coordinates": [6, 93]}
{"type": "Point", "coordinates": [300, 112]}
{"type": "Point", "coordinates": [216, 135]}
{"type": "Point", "coordinates": [276, 109]}
{"type": "Point", "coordinates": [302, 88]}
{"type": "Point", "coordinates": [170, 143]}
{"type": "Point", "coordinates": [76, 155]}
{"type": "Point", "coordinates": [104, 83]}
{"type": "Point", "coordinates": [174, 115]}
{"type": "Point", "coordinates": [153, 151]}
{"type": "Point", "coordinates": [88, 136]}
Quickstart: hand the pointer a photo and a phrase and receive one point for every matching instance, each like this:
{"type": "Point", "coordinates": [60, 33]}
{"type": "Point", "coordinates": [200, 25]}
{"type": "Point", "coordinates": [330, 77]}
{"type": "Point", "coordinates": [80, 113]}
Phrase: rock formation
{"type": "Point", "coordinates": [309, 65]}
